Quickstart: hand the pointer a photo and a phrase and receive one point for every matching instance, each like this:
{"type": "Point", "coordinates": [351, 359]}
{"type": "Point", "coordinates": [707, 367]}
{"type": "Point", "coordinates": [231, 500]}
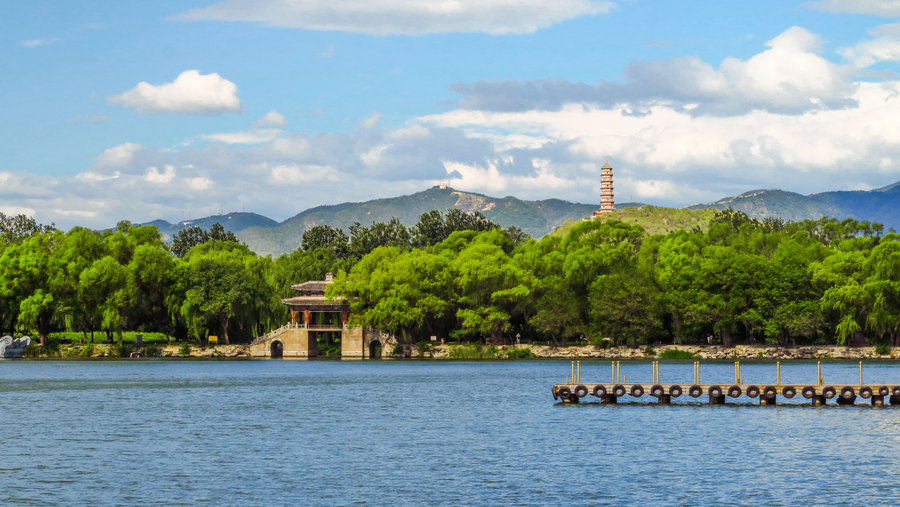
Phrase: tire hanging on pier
{"type": "Point", "coordinates": [675, 391]}
{"type": "Point", "coordinates": [753, 391]}
{"type": "Point", "coordinates": [581, 391]}
{"type": "Point", "coordinates": [619, 390]}
{"type": "Point", "coordinates": [637, 390]}
{"type": "Point", "coordinates": [808, 392]}
{"type": "Point", "coordinates": [865, 392]}
{"type": "Point", "coordinates": [599, 391]}
{"type": "Point", "coordinates": [564, 393]}
{"type": "Point", "coordinates": [789, 392]}
{"type": "Point", "coordinates": [657, 390]}
{"type": "Point", "coordinates": [734, 391]}
{"type": "Point", "coordinates": [829, 392]}
{"type": "Point", "coordinates": [695, 391]}
{"type": "Point", "coordinates": [848, 393]}
{"type": "Point", "coordinates": [715, 391]}
{"type": "Point", "coordinates": [769, 391]}
{"type": "Point", "coordinates": [883, 391]}
{"type": "Point", "coordinates": [895, 391]}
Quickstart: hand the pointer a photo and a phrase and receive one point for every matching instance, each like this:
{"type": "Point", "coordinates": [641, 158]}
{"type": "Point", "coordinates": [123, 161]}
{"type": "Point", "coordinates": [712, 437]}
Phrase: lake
{"type": "Point", "coordinates": [391, 432]}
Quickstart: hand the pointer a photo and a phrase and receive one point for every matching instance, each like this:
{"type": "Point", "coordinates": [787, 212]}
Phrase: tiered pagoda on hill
{"type": "Point", "coordinates": [607, 203]}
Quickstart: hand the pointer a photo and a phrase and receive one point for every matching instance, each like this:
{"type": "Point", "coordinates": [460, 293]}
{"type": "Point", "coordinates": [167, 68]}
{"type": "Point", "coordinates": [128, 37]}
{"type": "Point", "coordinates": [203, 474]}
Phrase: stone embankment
{"type": "Point", "coordinates": [709, 352]}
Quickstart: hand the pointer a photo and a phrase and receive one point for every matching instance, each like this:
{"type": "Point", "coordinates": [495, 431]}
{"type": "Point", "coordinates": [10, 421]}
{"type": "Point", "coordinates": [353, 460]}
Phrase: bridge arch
{"type": "Point", "coordinates": [375, 349]}
{"type": "Point", "coordinates": [276, 349]}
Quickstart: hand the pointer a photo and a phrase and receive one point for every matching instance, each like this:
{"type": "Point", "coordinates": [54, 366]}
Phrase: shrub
{"type": "Point", "coordinates": [602, 343]}
{"type": "Point", "coordinates": [649, 351]}
{"type": "Point", "coordinates": [882, 349]}
{"type": "Point", "coordinates": [473, 351]}
{"type": "Point", "coordinates": [69, 352]}
{"type": "Point", "coordinates": [520, 353]}
{"type": "Point", "coordinates": [676, 354]}
{"type": "Point", "coordinates": [151, 351]}
{"type": "Point", "coordinates": [32, 350]}
{"type": "Point", "coordinates": [119, 349]}
{"type": "Point", "coordinates": [87, 350]}
{"type": "Point", "coordinates": [185, 350]}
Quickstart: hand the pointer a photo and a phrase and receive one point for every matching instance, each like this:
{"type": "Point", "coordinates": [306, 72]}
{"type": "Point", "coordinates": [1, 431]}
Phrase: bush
{"type": "Point", "coordinates": [69, 352]}
{"type": "Point", "coordinates": [32, 350]}
{"type": "Point", "coordinates": [474, 351]}
{"type": "Point", "coordinates": [649, 351]}
{"type": "Point", "coordinates": [151, 351]}
{"type": "Point", "coordinates": [602, 343]}
{"type": "Point", "coordinates": [87, 350]}
{"type": "Point", "coordinates": [520, 353]}
{"type": "Point", "coordinates": [882, 349]}
{"type": "Point", "coordinates": [119, 349]}
{"type": "Point", "coordinates": [676, 354]}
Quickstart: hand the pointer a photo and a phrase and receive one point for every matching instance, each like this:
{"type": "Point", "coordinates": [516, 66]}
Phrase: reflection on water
{"type": "Point", "coordinates": [318, 432]}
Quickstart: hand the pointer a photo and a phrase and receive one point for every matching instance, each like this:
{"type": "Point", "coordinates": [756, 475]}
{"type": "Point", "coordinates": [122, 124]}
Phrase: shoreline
{"type": "Point", "coordinates": [501, 352]}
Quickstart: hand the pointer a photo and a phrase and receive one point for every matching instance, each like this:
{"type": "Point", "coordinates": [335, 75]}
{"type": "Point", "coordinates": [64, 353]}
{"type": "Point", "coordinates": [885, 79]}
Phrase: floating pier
{"type": "Point", "coordinates": [818, 393]}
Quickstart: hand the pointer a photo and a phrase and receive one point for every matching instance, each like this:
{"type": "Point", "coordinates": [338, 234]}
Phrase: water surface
{"type": "Point", "coordinates": [329, 432]}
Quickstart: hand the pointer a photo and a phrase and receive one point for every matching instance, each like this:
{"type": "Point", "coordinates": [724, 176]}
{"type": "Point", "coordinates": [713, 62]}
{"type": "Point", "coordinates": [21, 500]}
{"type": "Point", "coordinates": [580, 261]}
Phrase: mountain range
{"type": "Point", "coordinates": [266, 236]}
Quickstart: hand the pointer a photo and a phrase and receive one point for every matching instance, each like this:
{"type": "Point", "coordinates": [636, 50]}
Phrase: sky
{"type": "Point", "coordinates": [183, 109]}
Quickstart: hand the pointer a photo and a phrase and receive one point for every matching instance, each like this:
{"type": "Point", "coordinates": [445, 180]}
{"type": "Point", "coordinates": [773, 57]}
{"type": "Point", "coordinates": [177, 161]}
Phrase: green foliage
{"type": "Point", "coordinates": [87, 350]}
{"type": "Point", "coordinates": [520, 353]}
{"type": "Point", "coordinates": [151, 351]}
{"type": "Point", "coordinates": [120, 349]}
{"type": "Point", "coordinates": [676, 354]}
{"type": "Point", "coordinates": [473, 351]}
{"type": "Point", "coordinates": [190, 237]}
{"type": "Point", "coordinates": [185, 350]}
{"type": "Point", "coordinates": [649, 351]}
{"type": "Point", "coordinates": [882, 349]}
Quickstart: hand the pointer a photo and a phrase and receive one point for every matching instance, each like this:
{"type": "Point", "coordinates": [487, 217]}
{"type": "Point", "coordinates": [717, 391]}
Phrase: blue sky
{"type": "Point", "coordinates": [173, 110]}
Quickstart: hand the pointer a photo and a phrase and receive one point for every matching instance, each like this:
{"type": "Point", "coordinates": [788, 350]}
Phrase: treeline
{"type": "Point", "coordinates": [202, 283]}
{"type": "Point", "coordinates": [811, 282]}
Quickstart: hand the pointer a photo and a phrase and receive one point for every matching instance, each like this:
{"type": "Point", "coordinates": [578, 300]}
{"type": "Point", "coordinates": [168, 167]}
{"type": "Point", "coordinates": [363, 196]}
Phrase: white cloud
{"type": "Point", "coordinates": [254, 136]}
{"type": "Point", "coordinates": [199, 183]}
{"type": "Point", "coordinates": [93, 176]}
{"type": "Point", "coordinates": [886, 8]}
{"type": "Point", "coordinates": [884, 46]}
{"type": "Point", "coordinates": [789, 76]}
{"type": "Point", "coordinates": [272, 119]}
{"type": "Point", "coordinates": [301, 174]}
{"type": "Point", "coordinates": [371, 121]}
{"type": "Point", "coordinates": [16, 210]}
{"type": "Point", "coordinates": [190, 93]}
{"type": "Point", "coordinates": [33, 43]}
{"type": "Point", "coordinates": [117, 156]}
{"type": "Point", "coordinates": [154, 176]}
{"type": "Point", "coordinates": [408, 17]}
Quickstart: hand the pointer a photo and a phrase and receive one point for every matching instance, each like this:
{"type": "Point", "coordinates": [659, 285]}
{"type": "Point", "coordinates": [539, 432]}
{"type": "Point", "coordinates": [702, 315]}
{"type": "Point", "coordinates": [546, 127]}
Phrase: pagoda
{"type": "Point", "coordinates": [607, 203]}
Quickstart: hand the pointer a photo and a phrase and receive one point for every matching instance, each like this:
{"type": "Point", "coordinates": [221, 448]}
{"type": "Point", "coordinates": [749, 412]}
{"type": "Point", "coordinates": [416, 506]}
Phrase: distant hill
{"type": "Point", "coordinates": [653, 219]}
{"type": "Point", "coordinates": [233, 222]}
{"type": "Point", "coordinates": [534, 217]}
{"type": "Point", "coordinates": [880, 205]}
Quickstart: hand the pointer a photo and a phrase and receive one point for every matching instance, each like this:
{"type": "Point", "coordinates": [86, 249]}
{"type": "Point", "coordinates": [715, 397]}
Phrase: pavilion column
{"type": "Point", "coordinates": [344, 315]}
{"type": "Point", "coordinates": [306, 317]}
{"type": "Point", "coordinates": [293, 317]}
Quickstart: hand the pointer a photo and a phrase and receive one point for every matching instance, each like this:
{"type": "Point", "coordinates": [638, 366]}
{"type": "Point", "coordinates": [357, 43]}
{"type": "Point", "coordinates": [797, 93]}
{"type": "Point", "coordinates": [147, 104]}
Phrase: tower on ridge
{"type": "Point", "coordinates": [607, 203]}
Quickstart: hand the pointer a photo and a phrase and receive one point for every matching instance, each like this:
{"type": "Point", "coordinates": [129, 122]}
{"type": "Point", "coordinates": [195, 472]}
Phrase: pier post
{"type": "Point", "coordinates": [818, 399]}
{"type": "Point", "coordinates": [877, 400]}
{"type": "Point", "coordinates": [767, 400]}
{"type": "Point", "coordinates": [895, 400]}
{"type": "Point", "coordinates": [716, 400]}
{"type": "Point", "coordinates": [609, 398]}
{"type": "Point", "coordinates": [664, 399]}
{"type": "Point", "coordinates": [846, 401]}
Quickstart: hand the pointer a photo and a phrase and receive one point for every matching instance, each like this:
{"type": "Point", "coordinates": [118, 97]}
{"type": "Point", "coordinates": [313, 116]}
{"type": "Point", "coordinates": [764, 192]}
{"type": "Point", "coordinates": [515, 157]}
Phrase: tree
{"type": "Point", "coordinates": [190, 237]}
{"type": "Point", "coordinates": [14, 229]}
{"type": "Point", "coordinates": [366, 239]}
{"type": "Point", "coordinates": [327, 237]}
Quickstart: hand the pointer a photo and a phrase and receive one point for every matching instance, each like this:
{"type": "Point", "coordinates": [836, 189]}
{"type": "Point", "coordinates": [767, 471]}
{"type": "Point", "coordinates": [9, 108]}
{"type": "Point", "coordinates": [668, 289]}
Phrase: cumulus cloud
{"type": "Point", "coordinates": [408, 17]}
{"type": "Point", "coordinates": [887, 8]}
{"type": "Point", "coordinates": [884, 46]}
{"type": "Point", "coordinates": [117, 156]}
{"type": "Point", "coordinates": [790, 77]}
{"type": "Point", "coordinates": [272, 119]}
{"type": "Point", "coordinates": [370, 121]}
{"type": "Point", "coordinates": [190, 93]}
{"type": "Point", "coordinates": [161, 178]}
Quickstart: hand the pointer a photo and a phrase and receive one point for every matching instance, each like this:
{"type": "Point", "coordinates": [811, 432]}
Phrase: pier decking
{"type": "Point", "coordinates": [818, 393]}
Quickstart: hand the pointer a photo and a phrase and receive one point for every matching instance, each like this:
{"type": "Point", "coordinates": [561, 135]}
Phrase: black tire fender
{"type": "Point", "coordinates": [657, 390]}
{"type": "Point", "coordinates": [564, 393]}
{"type": "Point", "coordinates": [675, 391]}
{"type": "Point", "coordinates": [848, 393]}
{"type": "Point", "coordinates": [695, 391]}
{"type": "Point", "coordinates": [637, 390]}
{"type": "Point", "coordinates": [734, 391]}
{"type": "Point", "coordinates": [883, 391]}
{"type": "Point", "coordinates": [599, 390]}
{"type": "Point", "coordinates": [753, 391]}
{"type": "Point", "coordinates": [808, 392]}
{"type": "Point", "coordinates": [789, 392]}
{"type": "Point", "coordinates": [619, 390]}
{"type": "Point", "coordinates": [829, 392]}
{"type": "Point", "coordinates": [865, 392]}
{"type": "Point", "coordinates": [895, 391]}
{"type": "Point", "coordinates": [769, 391]}
{"type": "Point", "coordinates": [715, 391]}
{"type": "Point", "coordinates": [581, 391]}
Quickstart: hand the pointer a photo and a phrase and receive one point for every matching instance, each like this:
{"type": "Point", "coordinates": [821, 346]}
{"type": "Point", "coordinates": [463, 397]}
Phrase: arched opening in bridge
{"type": "Point", "coordinates": [375, 349]}
{"type": "Point", "coordinates": [276, 349]}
